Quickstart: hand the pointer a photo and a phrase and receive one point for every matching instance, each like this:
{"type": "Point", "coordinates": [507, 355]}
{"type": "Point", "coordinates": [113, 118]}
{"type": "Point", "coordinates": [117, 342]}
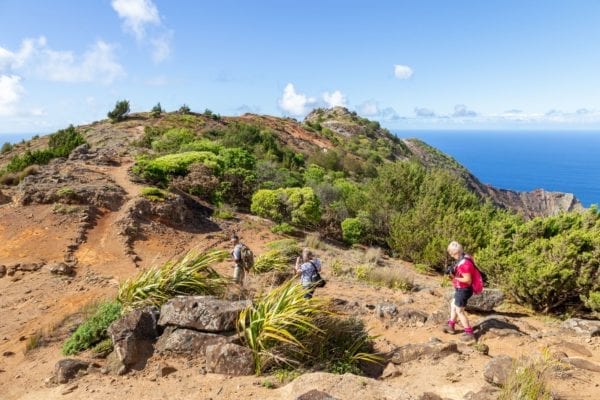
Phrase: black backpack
{"type": "Point", "coordinates": [316, 278]}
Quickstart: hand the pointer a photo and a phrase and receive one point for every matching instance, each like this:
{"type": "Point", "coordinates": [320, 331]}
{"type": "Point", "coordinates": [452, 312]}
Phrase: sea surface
{"type": "Point", "coordinates": [558, 161]}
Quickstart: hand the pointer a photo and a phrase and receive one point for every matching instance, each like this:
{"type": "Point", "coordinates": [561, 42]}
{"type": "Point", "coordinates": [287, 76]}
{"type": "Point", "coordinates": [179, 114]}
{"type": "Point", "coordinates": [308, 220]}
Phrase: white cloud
{"type": "Point", "coordinates": [461, 111]}
{"type": "Point", "coordinates": [136, 14]}
{"type": "Point", "coordinates": [97, 64]}
{"type": "Point", "coordinates": [424, 112]}
{"type": "Point", "coordinates": [402, 71]}
{"type": "Point", "coordinates": [295, 103]}
{"type": "Point", "coordinates": [335, 99]}
{"type": "Point", "coordinates": [161, 47]}
{"type": "Point", "coordinates": [35, 57]}
{"type": "Point", "coordinates": [11, 91]}
{"type": "Point", "coordinates": [368, 108]}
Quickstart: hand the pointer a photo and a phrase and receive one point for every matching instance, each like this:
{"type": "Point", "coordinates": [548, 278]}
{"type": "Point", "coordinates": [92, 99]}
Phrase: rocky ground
{"type": "Point", "coordinates": [71, 233]}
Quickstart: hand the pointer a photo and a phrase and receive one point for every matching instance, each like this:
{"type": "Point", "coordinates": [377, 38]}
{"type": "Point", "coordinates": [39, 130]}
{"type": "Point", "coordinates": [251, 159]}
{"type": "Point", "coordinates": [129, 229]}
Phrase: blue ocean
{"type": "Point", "coordinates": [525, 160]}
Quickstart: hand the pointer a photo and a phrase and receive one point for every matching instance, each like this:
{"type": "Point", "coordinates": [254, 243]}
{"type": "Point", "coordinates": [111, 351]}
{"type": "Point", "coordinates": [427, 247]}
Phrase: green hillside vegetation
{"type": "Point", "coordinates": [382, 198]}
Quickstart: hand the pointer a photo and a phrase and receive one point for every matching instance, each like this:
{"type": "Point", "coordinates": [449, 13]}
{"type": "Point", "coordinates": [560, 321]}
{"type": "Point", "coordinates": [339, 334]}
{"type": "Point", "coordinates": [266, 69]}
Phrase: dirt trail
{"type": "Point", "coordinates": [104, 250]}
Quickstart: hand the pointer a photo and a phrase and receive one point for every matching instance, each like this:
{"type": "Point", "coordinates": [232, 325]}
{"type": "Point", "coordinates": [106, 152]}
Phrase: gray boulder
{"type": "Point", "coordinates": [496, 326]}
{"type": "Point", "coordinates": [133, 335]}
{"type": "Point", "coordinates": [187, 341]}
{"type": "Point", "coordinates": [67, 369]}
{"type": "Point", "coordinates": [584, 327]}
{"type": "Point", "coordinates": [386, 310]}
{"type": "Point", "coordinates": [2, 271]}
{"type": "Point", "coordinates": [202, 313]}
{"type": "Point", "coordinates": [582, 364]}
{"type": "Point", "coordinates": [412, 317]}
{"type": "Point", "coordinates": [497, 370]}
{"type": "Point", "coordinates": [412, 352]}
{"type": "Point", "coordinates": [486, 301]}
{"type": "Point", "coordinates": [229, 359]}
{"type": "Point", "coordinates": [315, 395]}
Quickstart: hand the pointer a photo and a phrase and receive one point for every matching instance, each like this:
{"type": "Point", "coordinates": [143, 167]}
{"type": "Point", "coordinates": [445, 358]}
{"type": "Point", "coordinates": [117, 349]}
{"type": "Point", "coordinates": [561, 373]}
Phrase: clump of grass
{"type": "Point", "coordinates": [272, 260]}
{"type": "Point", "coordinates": [283, 229]}
{"type": "Point", "coordinates": [527, 379]}
{"type": "Point", "coordinates": [93, 329]}
{"type": "Point", "coordinates": [9, 179]}
{"type": "Point", "coordinates": [103, 347]}
{"type": "Point", "coordinates": [372, 256]}
{"type": "Point", "coordinates": [30, 170]}
{"type": "Point", "coordinates": [154, 194]}
{"type": "Point", "coordinates": [313, 241]}
{"type": "Point", "coordinates": [65, 192]}
{"type": "Point", "coordinates": [224, 212]}
{"type": "Point", "coordinates": [424, 269]}
{"type": "Point", "coordinates": [63, 209]}
{"type": "Point", "coordinates": [389, 277]}
{"type": "Point", "coordinates": [277, 319]}
{"type": "Point", "coordinates": [190, 274]}
{"type": "Point", "coordinates": [288, 247]}
{"type": "Point", "coordinates": [36, 340]}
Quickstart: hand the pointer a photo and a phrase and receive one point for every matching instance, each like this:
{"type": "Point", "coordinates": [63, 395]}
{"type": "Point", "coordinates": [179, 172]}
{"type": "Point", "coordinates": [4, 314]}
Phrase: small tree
{"type": "Point", "coordinates": [120, 111]}
{"type": "Point", "coordinates": [156, 110]}
{"type": "Point", "coordinates": [6, 147]}
{"type": "Point", "coordinates": [184, 109]}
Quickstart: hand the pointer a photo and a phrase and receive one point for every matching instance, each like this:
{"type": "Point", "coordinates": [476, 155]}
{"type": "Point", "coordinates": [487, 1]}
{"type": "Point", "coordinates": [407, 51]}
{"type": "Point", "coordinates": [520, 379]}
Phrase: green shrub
{"type": "Point", "coordinates": [93, 330]}
{"type": "Point", "coordinates": [224, 212]}
{"type": "Point", "coordinates": [592, 301]}
{"type": "Point", "coordinates": [283, 229]}
{"type": "Point", "coordinates": [154, 194]}
{"type": "Point", "coordinates": [184, 109]}
{"type": "Point", "coordinates": [171, 140]}
{"type": "Point", "coordinates": [288, 247]}
{"type": "Point", "coordinates": [163, 168]}
{"type": "Point", "coordinates": [300, 206]}
{"type": "Point", "coordinates": [6, 147]}
{"type": "Point", "coordinates": [352, 230]}
{"type": "Point", "coordinates": [156, 111]}
{"type": "Point", "coordinates": [119, 113]}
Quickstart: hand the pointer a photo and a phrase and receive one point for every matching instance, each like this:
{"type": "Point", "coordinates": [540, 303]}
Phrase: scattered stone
{"type": "Point", "coordinates": [582, 364]}
{"type": "Point", "coordinates": [386, 310]}
{"type": "Point", "coordinates": [69, 389]}
{"type": "Point", "coordinates": [188, 341]}
{"type": "Point", "coordinates": [412, 317]}
{"type": "Point", "coordinates": [229, 359]}
{"type": "Point", "coordinates": [8, 353]}
{"type": "Point", "coordinates": [430, 396]}
{"type": "Point", "coordinates": [582, 326]}
{"type": "Point", "coordinates": [440, 316]}
{"type": "Point", "coordinates": [2, 271]}
{"type": "Point", "coordinates": [315, 395]}
{"type": "Point", "coordinates": [133, 335]}
{"type": "Point", "coordinates": [412, 352]}
{"type": "Point", "coordinates": [60, 268]}
{"type": "Point", "coordinates": [30, 267]}
{"type": "Point", "coordinates": [497, 370]}
{"type": "Point", "coordinates": [486, 393]}
{"type": "Point", "coordinates": [202, 313]}
{"type": "Point", "coordinates": [69, 368]}
{"type": "Point", "coordinates": [497, 326]}
{"type": "Point", "coordinates": [163, 370]}
{"type": "Point", "coordinates": [391, 371]}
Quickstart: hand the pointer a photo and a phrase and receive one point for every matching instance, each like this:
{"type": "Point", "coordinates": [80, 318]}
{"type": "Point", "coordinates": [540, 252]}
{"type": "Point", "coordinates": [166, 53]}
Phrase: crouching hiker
{"type": "Point", "coordinates": [309, 268]}
{"type": "Point", "coordinates": [243, 259]}
{"type": "Point", "coordinates": [462, 273]}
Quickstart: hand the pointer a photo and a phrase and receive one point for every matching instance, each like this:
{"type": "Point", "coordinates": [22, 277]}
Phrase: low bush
{"type": "Point", "coordinates": [352, 230]}
{"type": "Point", "coordinates": [313, 241]}
{"type": "Point", "coordinates": [172, 140]}
{"type": "Point", "coordinates": [389, 277]}
{"type": "Point", "coordinates": [162, 169]}
{"type": "Point", "coordinates": [93, 330]}
{"type": "Point", "coordinates": [154, 194]}
{"type": "Point", "coordinates": [527, 380]}
{"type": "Point", "coordinates": [283, 229]}
{"type": "Point", "coordinates": [156, 111]}
{"type": "Point", "coordinates": [6, 147]}
{"type": "Point", "coordinates": [224, 212]}
{"type": "Point", "coordinates": [190, 274]}
{"type": "Point", "coordinates": [287, 247]}
{"type": "Point", "coordinates": [300, 206]}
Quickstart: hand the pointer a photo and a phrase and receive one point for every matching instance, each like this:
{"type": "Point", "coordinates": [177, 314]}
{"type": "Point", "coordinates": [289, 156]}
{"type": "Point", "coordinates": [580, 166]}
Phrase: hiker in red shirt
{"type": "Point", "coordinates": [462, 274]}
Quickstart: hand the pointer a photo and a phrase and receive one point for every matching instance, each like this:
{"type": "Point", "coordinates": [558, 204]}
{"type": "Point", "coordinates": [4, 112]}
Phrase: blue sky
{"type": "Point", "coordinates": [409, 64]}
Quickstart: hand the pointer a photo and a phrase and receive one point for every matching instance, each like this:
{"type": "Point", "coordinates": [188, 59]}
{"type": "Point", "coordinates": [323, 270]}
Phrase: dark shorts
{"type": "Point", "coordinates": [461, 296]}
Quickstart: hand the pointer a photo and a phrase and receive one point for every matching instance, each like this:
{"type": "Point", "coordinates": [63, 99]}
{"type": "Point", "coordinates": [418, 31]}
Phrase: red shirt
{"type": "Point", "coordinates": [464, 266]}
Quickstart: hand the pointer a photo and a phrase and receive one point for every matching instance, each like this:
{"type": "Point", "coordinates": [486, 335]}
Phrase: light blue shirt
{"type": "Point", "coordinates": [308, 269]}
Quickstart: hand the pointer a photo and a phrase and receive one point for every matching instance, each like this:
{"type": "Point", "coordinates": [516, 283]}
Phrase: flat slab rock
{"type": "Point", "coordinates": [187, 341]}
{"type": "Point", "coordinates": [69, 368]}
{"type": "Point", "coordinates": [486, 301]}
{"type": "Point", "coordinates": [412, 352]}
{"type": "Point", "coordinates": [229, 359]}
{"type": "Point", "coordinates": [580, 326]}
{"type": "Point", "coordinates": [497, 370]}
{"type": "Point", "coordinates": [202, 313]}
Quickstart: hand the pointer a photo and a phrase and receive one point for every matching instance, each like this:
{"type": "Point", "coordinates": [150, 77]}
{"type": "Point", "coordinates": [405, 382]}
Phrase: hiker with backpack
{"type": "Point", "coordinates": [243, 260]}
{"type": "Point", "coordinates": [309, 268]}
{"type": "Point", "coordinates": [466, 280]}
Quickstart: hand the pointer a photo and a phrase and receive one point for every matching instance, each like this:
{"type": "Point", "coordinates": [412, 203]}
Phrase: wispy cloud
{"type": "Point", "coordinates": [138, 16]}
{"type": "Point", "coordinates": [11, 91]}
{"type": "Point", "coordinates": [335, 99]}
{"type": "Point", "coordinates": [423, 112]}
{"type": "Point", "coordinates": [98, 64]}
{"type": "Point", "coordinates": [402, 71]}
{"type": "Point", "coordinates": [371, 109]}
{"type": "Point", "coordinates": [461, 111]}
{"type": "Point", "coordinates": [295, 103]}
